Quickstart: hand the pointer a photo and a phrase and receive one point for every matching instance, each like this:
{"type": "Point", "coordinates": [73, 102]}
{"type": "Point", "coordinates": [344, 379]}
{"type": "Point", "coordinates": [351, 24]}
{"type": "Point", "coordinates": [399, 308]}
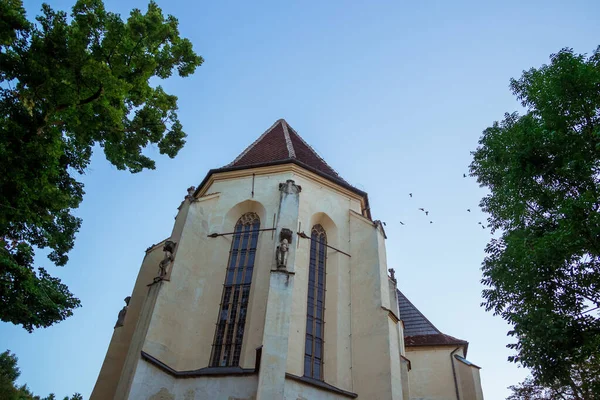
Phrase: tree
{"type": "Point", "coordinates": [530, 389]}
{"type": "Point", "coordinates": [69, 86]}
{"type": "Point", "coordinates": [8, 375]}
{"type": "Point", "coordinates": [9, 372]}
{"type": "Point", "coordinates": [543, 273]}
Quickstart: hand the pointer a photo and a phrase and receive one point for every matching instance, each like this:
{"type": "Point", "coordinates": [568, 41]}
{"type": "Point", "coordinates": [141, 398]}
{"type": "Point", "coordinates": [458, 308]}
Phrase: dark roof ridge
{"type": "Point", "coordinates": [288, 140]}
{"type": "Point", "coordinates": [310, 147]}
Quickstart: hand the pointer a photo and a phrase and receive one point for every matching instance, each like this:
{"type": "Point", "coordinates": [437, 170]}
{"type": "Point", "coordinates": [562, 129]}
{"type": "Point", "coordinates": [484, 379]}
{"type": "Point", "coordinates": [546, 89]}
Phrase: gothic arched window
{"type": "Point", "coordinates": [227, 345]}
{"type": "Point", "coordinates": [315, 326]}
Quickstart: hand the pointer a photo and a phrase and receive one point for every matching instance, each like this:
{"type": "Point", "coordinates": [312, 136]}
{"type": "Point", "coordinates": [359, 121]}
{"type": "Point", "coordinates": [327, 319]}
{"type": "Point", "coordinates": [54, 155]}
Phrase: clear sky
{"type": "Point", "coordinates": [393, 94]}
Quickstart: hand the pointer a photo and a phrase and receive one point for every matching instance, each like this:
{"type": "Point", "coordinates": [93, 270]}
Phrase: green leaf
{"type": "Point", "coordinates": [542, 172]}
{"type": "Point", "coordinates": [76, 81]}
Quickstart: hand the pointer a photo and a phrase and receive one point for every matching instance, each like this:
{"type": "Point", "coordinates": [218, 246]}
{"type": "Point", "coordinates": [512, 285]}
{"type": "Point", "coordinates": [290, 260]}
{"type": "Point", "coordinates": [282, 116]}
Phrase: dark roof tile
{"type": "Point", "coordinates": [281, 142]}
{"type": "Point", "coordinates": [308, 156]}
{"type": "Point", "coordinates": [418, 330]}
{"type": "Point", "coordinates": [415, 322]}
{"type": "Point", "coordinates": [270, 146]}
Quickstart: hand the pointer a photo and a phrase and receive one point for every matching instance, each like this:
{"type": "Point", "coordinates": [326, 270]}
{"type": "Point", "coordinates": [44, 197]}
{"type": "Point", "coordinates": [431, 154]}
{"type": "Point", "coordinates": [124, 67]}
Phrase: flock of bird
{"type": "Point", "coordinates": [427, 211]}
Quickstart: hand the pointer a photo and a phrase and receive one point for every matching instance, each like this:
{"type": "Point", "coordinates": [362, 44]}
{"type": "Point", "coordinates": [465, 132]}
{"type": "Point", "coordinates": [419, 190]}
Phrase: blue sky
{"type": "Point", "coordinates": [394, 95]}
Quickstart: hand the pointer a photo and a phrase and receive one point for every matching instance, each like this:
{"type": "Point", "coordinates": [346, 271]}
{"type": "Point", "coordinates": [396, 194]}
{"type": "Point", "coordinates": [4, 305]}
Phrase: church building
{"type": "Point", "coordinates": [274, 285]}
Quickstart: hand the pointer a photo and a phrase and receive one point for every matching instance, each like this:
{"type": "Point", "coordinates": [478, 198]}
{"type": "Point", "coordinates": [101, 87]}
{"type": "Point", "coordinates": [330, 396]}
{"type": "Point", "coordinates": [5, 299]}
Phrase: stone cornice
{"type": "Point", "coordinates": [281, 167]}
{"type": "Point", "coordinates": [208, 371]}
{"type": "Point", "coordinates": [321, 385]}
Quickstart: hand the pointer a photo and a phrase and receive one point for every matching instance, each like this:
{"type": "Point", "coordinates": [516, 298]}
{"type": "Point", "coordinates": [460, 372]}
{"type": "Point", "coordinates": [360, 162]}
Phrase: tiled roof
{"type": "Point", "coordinates": [439, 339]}
{"type": "Point", "coordinates": [418, 330]}
{"type": "Point", "coordinates": [281, 142]}
{"type": "Point", "coordinates": [415, 322]}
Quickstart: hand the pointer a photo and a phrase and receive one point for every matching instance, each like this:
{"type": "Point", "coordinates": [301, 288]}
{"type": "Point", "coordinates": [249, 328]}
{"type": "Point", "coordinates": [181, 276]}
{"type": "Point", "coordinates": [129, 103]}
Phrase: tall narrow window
{"type": "Point", "coordinates": [315, 327]}
{"type": "Point", "coordinates": [229, 334]}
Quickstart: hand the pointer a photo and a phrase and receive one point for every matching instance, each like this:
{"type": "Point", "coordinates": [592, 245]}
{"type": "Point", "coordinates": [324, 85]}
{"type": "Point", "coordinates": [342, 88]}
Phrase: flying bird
{"type": "Point", "coordinates": [431, 222]}
{"type": "Point", "coordinates": [402, 222]}
{"type": "Point", "coordinates": [422, 209]}
{"type": "Point", "coordinates": [383, 223]}
{"type": "Point", "coordinates": [410, 194]}
{"type": "Point", "coordinates": [464, 175]}
{"type": "Point", "coordinates": [479, 223]}
{"type": "Point", "coordinates": [426, 212]}
{"type": "Point", "coordinates": [482, 226]}
{"type": "Point", "coordinates": [468, 209]}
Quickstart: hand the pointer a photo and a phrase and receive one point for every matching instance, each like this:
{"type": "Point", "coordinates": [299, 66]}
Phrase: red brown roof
{"type": "Point", "coordinates": [279, 143]}
{"type": "Point", "coordinates": [438, 339]}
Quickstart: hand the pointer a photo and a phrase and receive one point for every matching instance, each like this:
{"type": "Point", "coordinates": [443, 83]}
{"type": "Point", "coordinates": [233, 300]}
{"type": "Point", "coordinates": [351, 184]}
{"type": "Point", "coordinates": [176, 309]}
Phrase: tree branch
{"type": "Point", "coordinates": [134, 48]}
{"type": "Point", "coordinates": [93, 97]}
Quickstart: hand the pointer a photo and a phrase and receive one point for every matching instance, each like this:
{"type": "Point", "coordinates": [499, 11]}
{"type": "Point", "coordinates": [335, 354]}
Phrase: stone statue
{"type": "Point", "coordinates": [190, 193]}
{"type": "Point", "coordinates": [392, 274]}
{"type": "Point", "coordinates": [281, 256]}
{"type": "Point", "coordinates": [121, 317]}
{"type": "Point", "coordinates": [282, 253]}
{"type": "Point", "coordinates": [169, 249]}
{"type": "Point", "coordinates": [290, 187]}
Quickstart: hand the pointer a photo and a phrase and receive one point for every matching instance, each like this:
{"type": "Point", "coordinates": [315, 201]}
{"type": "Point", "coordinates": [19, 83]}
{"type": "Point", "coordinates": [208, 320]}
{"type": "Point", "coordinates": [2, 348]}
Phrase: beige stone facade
{"type": "Point", "coordinates": [166, 346]}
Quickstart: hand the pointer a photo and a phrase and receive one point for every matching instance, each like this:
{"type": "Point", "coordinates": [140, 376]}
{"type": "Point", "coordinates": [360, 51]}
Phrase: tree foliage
{"type": "Point", "coordinates": [69, 84]}
{"type": "Point", "coordinates": [530, 389]}
{"type": "Point", "coordinates": [9, 372]}
{"type": "Point", "coordinates": [543, 272]}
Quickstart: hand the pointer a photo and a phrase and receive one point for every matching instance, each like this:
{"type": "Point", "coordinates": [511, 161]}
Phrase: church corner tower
{"type": "Point", "coordinates": [274, 285]}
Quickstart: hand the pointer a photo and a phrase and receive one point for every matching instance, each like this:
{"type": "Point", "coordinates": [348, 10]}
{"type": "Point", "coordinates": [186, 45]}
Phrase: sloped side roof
{"type": "Point", "coordinates": [439, 339]}
{"type": "Point", "coordinates": [281, 142]}
{"type": "Point", "coordinates": [415, 322]}
{"type": "Point", "coordinates": [418, 330]}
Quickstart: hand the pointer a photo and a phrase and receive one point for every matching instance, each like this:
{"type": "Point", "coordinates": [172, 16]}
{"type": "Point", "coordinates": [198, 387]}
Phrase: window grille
{"type": "Point", "coordinates": [229, 334]}
{"type": "Point", "coordinates": [315, 324]}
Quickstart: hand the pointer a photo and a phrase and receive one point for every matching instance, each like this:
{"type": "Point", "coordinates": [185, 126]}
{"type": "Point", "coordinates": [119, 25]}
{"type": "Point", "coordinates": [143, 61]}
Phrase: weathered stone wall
{"type": "Point", "coordinates": [431, 376]}
{"type": "Point", "coordinates": [329, 208]}
{"type": "Point", "coordinates": [151, 383]}
{"type": "Point", "coordinates": [183, 325]}
{"type": "Point", "coordinates": [361, 331]}
{"type": "Point", "coordinates": [469, 381]}
{"type": "Point", "coordinates": [375, 348]}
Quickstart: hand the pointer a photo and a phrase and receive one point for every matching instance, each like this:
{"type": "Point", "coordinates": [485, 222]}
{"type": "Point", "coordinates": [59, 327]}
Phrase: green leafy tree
{"type": "Point", "coordinates": [531, 389]}
{"type": "Point", "coordinates": [68, 86]}
{"type": "Point", "coordinates": [9, 372]}
{"type": "Point", "coordinates": [542, 171]}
